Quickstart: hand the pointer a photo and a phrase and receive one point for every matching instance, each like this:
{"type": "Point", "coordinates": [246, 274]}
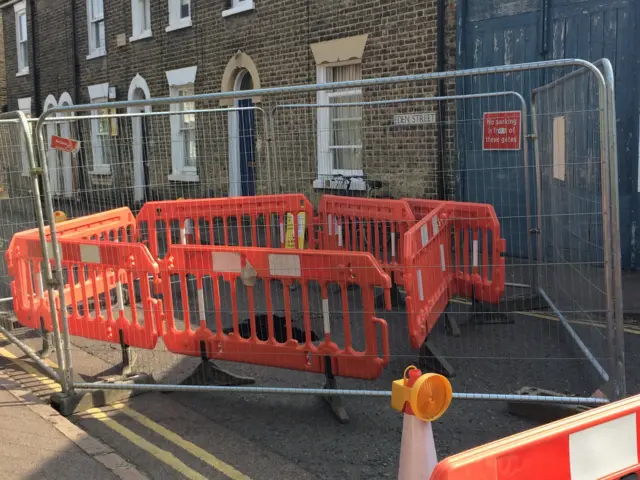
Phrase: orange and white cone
{"type": "Point", "coordinates": [422, 399]}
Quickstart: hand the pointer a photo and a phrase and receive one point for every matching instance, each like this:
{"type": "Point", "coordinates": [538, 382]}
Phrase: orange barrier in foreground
{"type": "Point", "coordinates": [601, 444]}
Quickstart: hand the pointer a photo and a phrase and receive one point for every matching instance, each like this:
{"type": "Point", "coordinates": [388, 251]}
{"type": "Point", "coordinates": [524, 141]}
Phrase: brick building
{"type": "Point", "coordinates": [71, 52]}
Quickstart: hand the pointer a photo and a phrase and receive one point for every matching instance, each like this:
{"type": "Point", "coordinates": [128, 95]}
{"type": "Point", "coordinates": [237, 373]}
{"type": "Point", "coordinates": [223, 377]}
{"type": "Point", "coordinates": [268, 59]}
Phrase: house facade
{"type": "Point", "coordinates": [72, 52]}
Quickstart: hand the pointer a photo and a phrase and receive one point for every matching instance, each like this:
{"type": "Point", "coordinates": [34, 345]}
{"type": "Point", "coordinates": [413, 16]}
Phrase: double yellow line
{"type": "Point", "coordinates": [166, 457]}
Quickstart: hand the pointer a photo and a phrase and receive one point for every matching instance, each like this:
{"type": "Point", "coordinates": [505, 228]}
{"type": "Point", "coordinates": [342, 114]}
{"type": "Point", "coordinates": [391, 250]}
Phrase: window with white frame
{"type": "Point", "coordinates": [140, 19]}
{"type": "Point", "coordinates": [183, 126]}
{"type": "Point", "coordinates": [97, 42]}
{"type": "Point", "coordinates": [24, 105]}
{"type": "Point", "coordinates": [237, 6]}
{"type": "Point", "coordinates": [340, 123]}
{"type": "Point", "coordinates": [22, 43]}
{"type": "Point", "coordinates": [101, 144]}
{"type": "Point", "coordinates": [179, 14]}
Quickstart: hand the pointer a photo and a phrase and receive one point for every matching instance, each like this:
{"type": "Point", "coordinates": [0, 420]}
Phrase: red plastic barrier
{"type": "Point", "coordinates": [479, 262]}
{"type": "Point", "coordinates": [598, 444]}
{"type": "Point", "coordinates": [421, 207]}
{"type": "Point", "coordinates": [95, 311]}
{"type": "Point", "coordinates": [197, 218]}
{"type": "Point", "coordinates": [27, 287]}
{"type": "Point", "coordinates": [428, 272]}
{"type": "Point", "coordinates": [204, 267]}
{"type": "Point", "coordinates": [369, 225]}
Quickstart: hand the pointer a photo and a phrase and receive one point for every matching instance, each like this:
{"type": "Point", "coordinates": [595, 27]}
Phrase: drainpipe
{"type": "Point", "coordinates": [442, 107]}
{"type": "Point", "coordinates": [74, 53]}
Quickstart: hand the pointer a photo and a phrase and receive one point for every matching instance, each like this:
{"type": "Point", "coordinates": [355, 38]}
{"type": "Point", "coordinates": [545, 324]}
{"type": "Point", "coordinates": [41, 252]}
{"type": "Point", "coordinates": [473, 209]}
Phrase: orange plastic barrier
{"type": "Point", "coordinates": [421, 207]}
{"type": "Point", "coordinates": [27, 287]}
{"type": "Point", "coordinates": [95, 311]}
{"type": "Point", "coordinates": [369, 225]}
{"type": "Point", "coordinates": [479, 262]}
{"type": "Point", "coordinates": [242, 221]}
{"type": "Point", "coordinates": [598, 444]}
{"type": "Point", "coordinates": [241, 270]}
{"type": "Point", "coordinates": [428, 272]}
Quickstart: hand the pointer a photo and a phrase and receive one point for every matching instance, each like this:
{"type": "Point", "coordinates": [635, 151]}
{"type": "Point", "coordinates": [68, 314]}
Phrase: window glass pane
{"type": "Point", "coordinates": [144, 18]}
{"type": "Point", "coordinates": [24, 54]}
{"type": "Point", "coordinates": [23, 27]}
{"type": "Point", "coordinates": [185, 8]}
{"type": "Point", "coordinates": [189, 149]}
{"type": "Point", "coordinates": [346, 132]}
{"type": "Point", "coordinates": [97, 10]}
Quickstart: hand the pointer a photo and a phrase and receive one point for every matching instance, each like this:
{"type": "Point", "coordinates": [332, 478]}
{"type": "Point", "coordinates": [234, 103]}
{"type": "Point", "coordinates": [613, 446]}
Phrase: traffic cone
{"type": "Point", "coordinates": [422, 399]}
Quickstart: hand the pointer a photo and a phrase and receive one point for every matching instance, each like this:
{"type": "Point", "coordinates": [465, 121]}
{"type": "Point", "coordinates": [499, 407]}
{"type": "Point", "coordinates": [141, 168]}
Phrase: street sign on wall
{"type": "Point", "coordinates": [501, 130]}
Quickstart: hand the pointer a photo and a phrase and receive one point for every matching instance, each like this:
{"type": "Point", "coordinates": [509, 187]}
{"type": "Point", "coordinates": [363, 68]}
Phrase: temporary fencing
{"type": "Point", "coordinates": [267, 279]}
{"type": "Point", "coordinates": [601, 444]}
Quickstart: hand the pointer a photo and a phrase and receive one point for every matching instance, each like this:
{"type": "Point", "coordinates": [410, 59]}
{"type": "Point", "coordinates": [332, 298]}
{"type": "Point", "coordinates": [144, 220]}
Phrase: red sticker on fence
{"type": "Point", "coordinates": [501, 130]}
{"type": "Point", "coordinates": [64, 144]}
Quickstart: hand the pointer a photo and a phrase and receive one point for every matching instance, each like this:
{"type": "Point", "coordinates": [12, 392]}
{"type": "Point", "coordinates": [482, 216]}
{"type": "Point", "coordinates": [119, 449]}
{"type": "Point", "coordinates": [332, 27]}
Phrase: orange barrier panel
{"type": "Point", "coordinates": [218, 285]}
{"type": "Point", "coordinates": [117, 225]}
{"type": "Point", "coordinates": [94, 312]}
{"type": "Point", "coordinates": [369, 225]}
{"type": "Point", "coordinates": [428, 272]}
{"type": "Point", "coordinates": [421, 207]}
{"type": "Point", "coordinates": [243, 221]}
{"type": "Point", "coordinates": [598, 444]}
{"type": "Point", "coordinates": [479, 262]}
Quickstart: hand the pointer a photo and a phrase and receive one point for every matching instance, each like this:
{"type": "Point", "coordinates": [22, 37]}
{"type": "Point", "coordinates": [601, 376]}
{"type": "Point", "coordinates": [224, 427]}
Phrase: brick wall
{"type": "Point", "coordinates": [277, 36]}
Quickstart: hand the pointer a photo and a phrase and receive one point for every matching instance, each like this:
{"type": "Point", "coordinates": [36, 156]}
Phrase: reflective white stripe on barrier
{"type": "Point", "coordinates": [444, 266]}
{"type": "Point", "coordinates": [393, 245]}
{"type": "Point", "coordinates": [475, 253]}
{"type": "Point", "coordinates": [604, 449]}
{"type": "Point", "coordinates": [120, 296]}
{"type": "Point", "coordinates": [424, 235]}
{"type": "Point", "coordinates": [436, 227]}
{"type": "Point", "coordinates": [325, 315]}
{"type": "Point", "coordinates": [226, 262]}
{"type": "Point", "coordinates": [420, 291]}
{"type": "Point", "coordinates": [285, 265]}
{"type": "Point", "coordinates": [203, 317]}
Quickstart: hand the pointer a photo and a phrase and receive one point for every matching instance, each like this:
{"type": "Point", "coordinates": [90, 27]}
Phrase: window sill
{"type": "Point", "coordinates": [97, 54]}
{"type": "Point", "coordinates": [101, 170]}
{"type": "Point", "coordinates": [22, 73]}
{"type": "Point", "coordinates": [142, 36]}
{"type": "Point", "coordinates": [184, 177]}
{"type": "Point", "coordinates": [178, 26]}
{"type": "Point", "coordinates": [245, 7]}
{"type": "Point", "coordinates": [328, 183]}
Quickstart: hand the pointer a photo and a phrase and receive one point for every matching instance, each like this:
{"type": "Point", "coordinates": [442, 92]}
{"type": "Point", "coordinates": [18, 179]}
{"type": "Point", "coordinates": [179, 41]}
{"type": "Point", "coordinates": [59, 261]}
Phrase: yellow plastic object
{"type": "Point", "coordinates": [59, 216]}
{"type": "Point", "coordinates": [428, 395]}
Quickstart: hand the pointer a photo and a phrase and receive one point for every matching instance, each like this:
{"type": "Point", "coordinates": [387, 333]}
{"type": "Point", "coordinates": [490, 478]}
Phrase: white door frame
{"type": "Point", "coordinates": [65, 131]}
{"type": "Point", "coordinates": [52, 155]}
{"type": "Point", "coordinates": [138, 84]}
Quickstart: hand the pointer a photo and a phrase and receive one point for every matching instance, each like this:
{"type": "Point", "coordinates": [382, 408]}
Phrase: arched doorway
{"type": "Point", "coordinates": [242, 140]}
{"type": "Point", "coordinates": [139, 90]}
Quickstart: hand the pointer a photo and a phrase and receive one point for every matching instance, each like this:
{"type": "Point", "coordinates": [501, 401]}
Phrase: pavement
{"type": "Point", "coordinates": [38, 443]}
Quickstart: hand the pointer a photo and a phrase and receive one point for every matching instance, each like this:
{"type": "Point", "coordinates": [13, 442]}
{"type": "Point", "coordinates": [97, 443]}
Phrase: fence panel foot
{"type": "Point", "coordinates": [431, 360]}
{"type": "Point", "coordinates": [208, 373]}
{"type": "Point", "coordinates": [543, 412]}
{"type": "Point", "coordinates": [85, 400]}
{"type": "Point", "coordinates": [334, 401]}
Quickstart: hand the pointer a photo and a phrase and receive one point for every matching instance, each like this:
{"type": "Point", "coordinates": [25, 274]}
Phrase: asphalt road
{"type": "Point", "coordinates": [294, 436]}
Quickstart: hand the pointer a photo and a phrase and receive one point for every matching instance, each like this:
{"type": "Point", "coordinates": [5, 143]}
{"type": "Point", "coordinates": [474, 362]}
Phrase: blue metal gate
{"type": "Point", "coordinates": [499, 32]}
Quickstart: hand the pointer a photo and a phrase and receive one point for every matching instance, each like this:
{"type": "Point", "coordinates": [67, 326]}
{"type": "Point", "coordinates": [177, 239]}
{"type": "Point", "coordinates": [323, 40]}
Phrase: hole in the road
{"type": "Point", "coordinates": [630, 476]}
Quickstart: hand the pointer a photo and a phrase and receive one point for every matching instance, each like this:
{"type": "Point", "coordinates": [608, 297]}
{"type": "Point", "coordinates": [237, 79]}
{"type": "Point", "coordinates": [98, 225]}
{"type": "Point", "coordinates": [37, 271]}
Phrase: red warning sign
{"type": "Point", "coordinates": [64, 144]}
{"type": "Point", "coordinates": [501, 130]}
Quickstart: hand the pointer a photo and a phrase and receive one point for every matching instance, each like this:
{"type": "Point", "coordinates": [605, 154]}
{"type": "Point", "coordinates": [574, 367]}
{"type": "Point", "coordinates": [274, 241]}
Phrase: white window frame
{"type": "Point", "coordinates": [181, 81]}
{"type": "Point", "coordinates": [140, 9]}
{"type": "Point", "coordinates": [20, 10]}
{"type": "Point", "coordinates": [98, 94]}
{"type": "Point", "coordinates": [94, 50]}
{"type": "Point", "coordinates": [175, 21]}
{"type": "Point", "coordinates": [326, 173]}
{"type": "Point", "coordinates": [238, 6]}
{"type": "Point", "coordinates": [24, 105]}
